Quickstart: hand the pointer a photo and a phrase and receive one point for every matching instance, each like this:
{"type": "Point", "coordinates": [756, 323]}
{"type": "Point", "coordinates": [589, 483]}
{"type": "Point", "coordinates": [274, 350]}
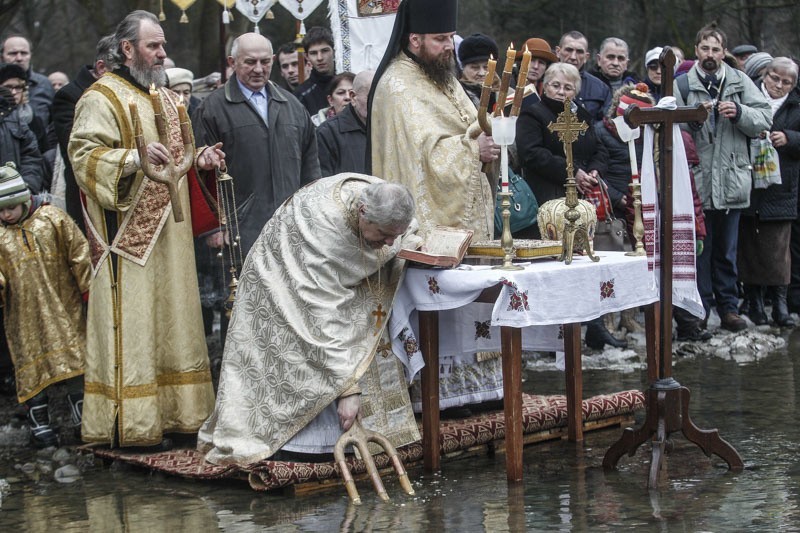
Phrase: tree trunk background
{"type": "Point", "coordinates": [64, 32]}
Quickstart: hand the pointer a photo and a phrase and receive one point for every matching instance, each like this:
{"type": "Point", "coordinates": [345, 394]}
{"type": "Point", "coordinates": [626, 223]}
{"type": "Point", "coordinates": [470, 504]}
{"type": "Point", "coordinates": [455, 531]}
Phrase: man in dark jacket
{"type": "Point", "coordinates": [595, 95]}
{"type": "Point", "coordinates": [269, 139]}
{"type": "Point", "coordinates": [17, 49]}
{"type": "Point", "coordinates": [342, 139]}
{"type": "Point", "coordinates": [612, 64]}
{"type": "Point", "coordinates": [313, 93]}
{"type": "Point", "coordinates": [18, 144]}
{"type": "Point", "coordinates": [63, 114]}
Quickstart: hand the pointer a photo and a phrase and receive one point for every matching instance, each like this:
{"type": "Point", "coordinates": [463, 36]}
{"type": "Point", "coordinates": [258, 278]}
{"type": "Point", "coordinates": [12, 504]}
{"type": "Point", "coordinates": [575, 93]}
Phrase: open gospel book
{"type": "Point", "coordinates": [445, 247]}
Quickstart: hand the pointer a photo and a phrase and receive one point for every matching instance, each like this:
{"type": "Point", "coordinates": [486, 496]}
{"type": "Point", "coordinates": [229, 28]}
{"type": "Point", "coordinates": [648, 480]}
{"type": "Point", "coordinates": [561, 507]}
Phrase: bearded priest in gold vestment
{"type": "Point", "coordinates": [147, 370]}
{"type": "Point", "coordinates": [307, 350]}
{"type": "Point", "coordinates": [424, 134]}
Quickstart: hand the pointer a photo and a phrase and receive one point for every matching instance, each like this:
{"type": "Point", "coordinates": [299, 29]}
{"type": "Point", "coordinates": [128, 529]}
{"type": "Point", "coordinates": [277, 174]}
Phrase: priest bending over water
{"type": "Point", "coordinates": [307, 349]}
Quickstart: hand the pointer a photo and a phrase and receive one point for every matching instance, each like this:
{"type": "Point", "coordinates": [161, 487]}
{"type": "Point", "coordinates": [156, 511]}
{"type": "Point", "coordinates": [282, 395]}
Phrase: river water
{"type": "Point", "coordinates": [749, 396]}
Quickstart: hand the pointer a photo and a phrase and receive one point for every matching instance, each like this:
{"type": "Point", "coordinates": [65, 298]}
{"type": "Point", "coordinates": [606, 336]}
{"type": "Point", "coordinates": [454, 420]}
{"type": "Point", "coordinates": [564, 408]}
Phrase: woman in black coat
{"type": "Point", "coordinates": [765, 228]}
{"type": "Point", "coordinates": [544, 165]}
{"type": "Point", "coordinates": [541, 153]}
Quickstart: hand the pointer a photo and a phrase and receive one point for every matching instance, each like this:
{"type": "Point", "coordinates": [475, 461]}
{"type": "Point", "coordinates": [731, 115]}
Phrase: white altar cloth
{"type": "Point", "coordinates": [539, 299]}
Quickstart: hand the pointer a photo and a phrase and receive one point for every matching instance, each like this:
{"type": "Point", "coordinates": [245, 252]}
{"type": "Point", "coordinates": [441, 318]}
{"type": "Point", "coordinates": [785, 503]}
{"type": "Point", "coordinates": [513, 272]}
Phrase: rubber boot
{"type": "Point", "coordinates": [38, 413]}
{"type": "Point", "coordinates": [754, 296]}
{"type": "Point", "coordinates": [75, 400]}
{"type": "Point", "coordinates": [780, 311]}
{"type": "Point", "coordinates": [597, 336]}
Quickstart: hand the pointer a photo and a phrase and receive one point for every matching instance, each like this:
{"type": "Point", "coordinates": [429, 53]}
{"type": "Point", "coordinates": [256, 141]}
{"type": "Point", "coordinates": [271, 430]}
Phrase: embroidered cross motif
{"type": "Point", "coordinates": [482, 330]}
{"type": "Point", "coordinates": [433, 285]}
{"type": "Point", "coordinates": [518, 301]}
{"type": "Point", "coordinates": [607, 289]}
{"type": "Point", "coordinates": [384, 349]}
{"type": "Point", "coordinates": [410, 344]}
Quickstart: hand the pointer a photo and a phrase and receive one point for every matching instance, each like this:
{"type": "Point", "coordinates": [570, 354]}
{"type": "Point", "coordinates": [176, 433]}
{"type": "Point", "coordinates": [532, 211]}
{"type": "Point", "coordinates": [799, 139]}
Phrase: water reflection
{"type": "Point", "coordinates": [565, 489]}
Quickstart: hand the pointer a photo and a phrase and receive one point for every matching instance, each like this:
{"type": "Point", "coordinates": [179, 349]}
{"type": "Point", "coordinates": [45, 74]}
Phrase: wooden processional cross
{"type": "Point", "coordinates": [667, 400]}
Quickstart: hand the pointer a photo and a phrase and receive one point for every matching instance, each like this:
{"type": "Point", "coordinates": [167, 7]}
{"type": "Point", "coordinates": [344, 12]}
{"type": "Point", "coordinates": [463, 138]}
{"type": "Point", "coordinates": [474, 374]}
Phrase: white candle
{"type": "Point", "coordinates": [504, 167]}
{"type": "Point", "coordinates": [634, 166]}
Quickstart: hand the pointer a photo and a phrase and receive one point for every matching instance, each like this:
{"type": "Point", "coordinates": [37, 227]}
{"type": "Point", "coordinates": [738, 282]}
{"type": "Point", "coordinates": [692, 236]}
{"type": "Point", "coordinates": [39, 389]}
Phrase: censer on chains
{"type": "Point", "coordinates": [229, 221]}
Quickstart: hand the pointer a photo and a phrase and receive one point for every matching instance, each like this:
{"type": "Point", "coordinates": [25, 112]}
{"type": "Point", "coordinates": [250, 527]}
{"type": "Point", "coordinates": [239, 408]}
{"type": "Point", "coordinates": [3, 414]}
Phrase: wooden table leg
{"type": "Point", "coordinates": [429, 345]}
{"type": "Point", "coordinates": [511, 342]}
{"type": "Point", "coordinates": [652, 328]}
{"type": "Point", "coordinates": [573, 373]}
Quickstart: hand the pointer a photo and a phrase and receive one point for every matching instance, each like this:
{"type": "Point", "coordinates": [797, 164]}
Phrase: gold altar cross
{"type": "Point", "coordinates": [668, 117]}
{"type": "Point", "coordinates": [569, 129]}
{"type": "Point", "coordinates": [379, 314]}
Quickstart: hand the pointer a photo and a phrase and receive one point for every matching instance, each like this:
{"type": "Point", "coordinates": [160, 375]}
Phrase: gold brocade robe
{"type": "Point", "coordinates": [147, 365]}
{"type": "Point", "coordinates": [425, 138]}
{"type": "Point", "coordinates": [44, 268]}
{"type": "Point", "coordinates": [305, 329]}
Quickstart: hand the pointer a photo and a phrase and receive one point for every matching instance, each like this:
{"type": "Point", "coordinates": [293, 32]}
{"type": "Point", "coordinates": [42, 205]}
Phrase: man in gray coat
{"type": "Point", "coordinates": [737, 111]}
{"type": "Point", "coordinates": [269, 139]}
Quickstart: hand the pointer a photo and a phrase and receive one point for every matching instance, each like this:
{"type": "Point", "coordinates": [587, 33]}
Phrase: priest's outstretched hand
{"type": "Point", "coordinates": [348, 410]}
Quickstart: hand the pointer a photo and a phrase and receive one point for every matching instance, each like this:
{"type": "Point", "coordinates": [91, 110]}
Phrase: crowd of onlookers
{"type": "Point", "coordinates": [748, 238]}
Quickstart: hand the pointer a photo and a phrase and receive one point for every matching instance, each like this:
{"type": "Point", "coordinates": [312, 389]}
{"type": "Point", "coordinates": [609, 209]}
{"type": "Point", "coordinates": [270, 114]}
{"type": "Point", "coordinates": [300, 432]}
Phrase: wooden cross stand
{"type": "Point", "coordinates": [667, 400]}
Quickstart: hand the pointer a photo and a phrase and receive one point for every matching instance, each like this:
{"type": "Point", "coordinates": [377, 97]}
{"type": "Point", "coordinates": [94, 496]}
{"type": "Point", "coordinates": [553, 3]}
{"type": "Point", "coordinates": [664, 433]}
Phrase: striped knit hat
{"type": "Point", "coordinates": [13, 190]}
{"type": "Point", "coordinates": [637, 95]}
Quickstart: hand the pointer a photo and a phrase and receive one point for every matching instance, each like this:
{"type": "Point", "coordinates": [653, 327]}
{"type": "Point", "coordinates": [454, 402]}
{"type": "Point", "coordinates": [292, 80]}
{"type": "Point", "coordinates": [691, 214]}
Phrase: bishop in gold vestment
{"type": "Point", "coordinates": [147, 370]}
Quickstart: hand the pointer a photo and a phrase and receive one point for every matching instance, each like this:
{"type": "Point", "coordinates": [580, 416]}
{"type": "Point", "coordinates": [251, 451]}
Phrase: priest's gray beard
{"type": "Point", "coordinates": [438, 68]}
{"type": "Point", "coordinates": [147, 75]}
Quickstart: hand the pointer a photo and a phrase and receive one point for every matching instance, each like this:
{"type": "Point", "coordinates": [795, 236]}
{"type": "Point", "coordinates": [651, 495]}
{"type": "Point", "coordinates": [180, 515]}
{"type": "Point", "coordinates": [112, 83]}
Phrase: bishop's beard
{"type": "Point", "coordinates": [147, 75]}
{"type": "Point", "coordinates": [440, 69]}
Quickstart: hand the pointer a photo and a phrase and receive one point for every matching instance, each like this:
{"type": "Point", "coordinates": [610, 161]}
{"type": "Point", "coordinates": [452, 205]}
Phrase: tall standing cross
{"type": "Point", "coordinates": [569, 129]}
{"type": "Point", "coordinates": [667, 400]}
{"type": "Point", "coordinates": [636, 116]}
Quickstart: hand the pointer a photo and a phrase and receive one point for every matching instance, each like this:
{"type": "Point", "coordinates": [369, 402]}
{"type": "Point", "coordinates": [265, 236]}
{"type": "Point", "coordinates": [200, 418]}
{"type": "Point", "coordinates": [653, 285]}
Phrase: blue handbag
{"type": "Point", "coordinates": [524, 206]}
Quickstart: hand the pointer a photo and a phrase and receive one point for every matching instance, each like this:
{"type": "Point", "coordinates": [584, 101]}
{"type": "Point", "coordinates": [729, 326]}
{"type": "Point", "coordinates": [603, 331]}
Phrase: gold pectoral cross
{"type": "Point", "coordinates": [379, 314]}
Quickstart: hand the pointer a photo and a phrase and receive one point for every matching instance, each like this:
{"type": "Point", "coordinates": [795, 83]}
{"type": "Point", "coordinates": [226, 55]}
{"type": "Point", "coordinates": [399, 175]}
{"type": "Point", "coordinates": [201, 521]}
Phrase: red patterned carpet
{"type": "Point", "coordinates": [540, 414]}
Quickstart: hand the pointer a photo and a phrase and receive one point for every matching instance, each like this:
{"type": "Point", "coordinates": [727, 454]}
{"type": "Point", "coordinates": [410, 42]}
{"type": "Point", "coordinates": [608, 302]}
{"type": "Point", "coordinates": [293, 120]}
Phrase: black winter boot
{"type": "Point", "coordinates": [780, 311]}
{"type": "Point", "coordinates": [597, 336]}
{"type": "Point", "coordinates": [754, 296]}
{"type": "Point", "coordinates": [75, 400]}
{"type": "Point", "coordinates": [39, 421]}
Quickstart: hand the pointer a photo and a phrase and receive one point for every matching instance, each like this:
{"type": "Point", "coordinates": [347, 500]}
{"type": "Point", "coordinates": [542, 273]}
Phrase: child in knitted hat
{"type": "Point", "coordinates": [45, 270]}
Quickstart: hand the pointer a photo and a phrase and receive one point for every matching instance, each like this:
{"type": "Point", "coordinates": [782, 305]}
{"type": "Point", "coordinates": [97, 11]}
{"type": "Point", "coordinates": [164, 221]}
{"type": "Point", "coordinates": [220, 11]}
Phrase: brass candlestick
{"type": "Point", "coordinates": [638, 224]}
{"type": "Point", "coordinates": [170, 173]}
{"type": "Point", "coordinates": [576, 234]}
{"type": "Point", "coordinates": [505, 130]}
{"type": "Point", "coordinates": [506, 240]}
